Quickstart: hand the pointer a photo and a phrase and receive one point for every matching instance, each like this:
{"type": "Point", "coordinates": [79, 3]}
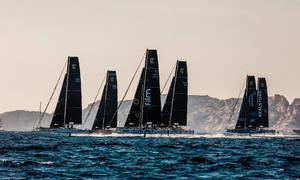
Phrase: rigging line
{"type": "Point", "coordinates": [46, 108]}
{"type": "Point", "coordinates": [136, 71]}
{"type": "Point", "coordinates": [236, 103]}
{"type": "Point", "coordinates": [93, 104]}
{"type": "Point", "coordinates": [168, 79]}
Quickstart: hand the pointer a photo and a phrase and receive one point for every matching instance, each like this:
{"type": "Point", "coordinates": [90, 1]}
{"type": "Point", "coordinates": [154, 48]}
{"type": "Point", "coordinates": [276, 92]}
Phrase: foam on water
{"type": "Point", "coordinates": [207, 135]}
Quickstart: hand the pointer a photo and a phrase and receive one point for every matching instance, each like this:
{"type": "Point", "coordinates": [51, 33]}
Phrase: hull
{"type": "Point", "coordinates": [250, 131]}
{"type": "Point", "coordinates": [61, 130]}
{"type": "Point", "coordinates": [104, 132]}
{"type": "Point", "coordinates": [297, 131]}
{"type": "Point", "coordinates": [158, 131]}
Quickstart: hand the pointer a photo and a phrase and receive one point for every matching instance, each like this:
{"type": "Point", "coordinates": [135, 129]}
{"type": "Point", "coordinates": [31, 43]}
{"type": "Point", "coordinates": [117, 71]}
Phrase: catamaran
{"type": "Point", "coordinates": [68, 111]}
{"type": "Point", "coordinates": [254, 113]}
{"type": "Point", "coordinates": [1, 125]}
{"type": "Point", "coordinates": [145, 116]}
{"type": "Point", "coordinates": [107, 114]}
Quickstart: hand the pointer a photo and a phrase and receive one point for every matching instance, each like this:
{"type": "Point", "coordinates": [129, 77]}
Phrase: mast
{"type": "Point", "coordinates": [175, 108]}
{"type": "Point", "coordinates": [151, 102]}
{"type": "Point", "coordinates": [133, 119]}
{"type": "Point", "coordinates": [262, 104]}
{"type": "Point", "coordinates": [73, 102]}
{"type": "Point", "coordinates": [106, 116]}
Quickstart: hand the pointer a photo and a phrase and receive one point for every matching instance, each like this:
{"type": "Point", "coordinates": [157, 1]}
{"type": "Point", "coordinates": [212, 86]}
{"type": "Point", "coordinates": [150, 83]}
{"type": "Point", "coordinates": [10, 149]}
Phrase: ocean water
{"type": "Point", "coordinates": [53, 156]}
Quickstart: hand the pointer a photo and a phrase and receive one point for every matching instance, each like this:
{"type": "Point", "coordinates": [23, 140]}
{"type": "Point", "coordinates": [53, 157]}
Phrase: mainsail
{"type": "Point", "coordinates": [133, 119]}
{"type": "Point", "coordinates": [73, 104]}
{"type": "Point", "coordinates": [262, 104]}
{"type": "Point", "coordinates": [107, 112]}
{"type": "Point", "coordinates": [68, 110]}
{"type": "Point", "coordinates": [151, 102]}
{"type": "Point", "coordinates": [248, 113]}
{"type": "Point", "coordinates": [175, 108]}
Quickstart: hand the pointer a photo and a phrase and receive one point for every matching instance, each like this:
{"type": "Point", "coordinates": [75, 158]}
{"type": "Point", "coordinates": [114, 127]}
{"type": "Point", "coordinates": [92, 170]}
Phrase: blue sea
{"type": "Point", "coordinates": [55, 156]}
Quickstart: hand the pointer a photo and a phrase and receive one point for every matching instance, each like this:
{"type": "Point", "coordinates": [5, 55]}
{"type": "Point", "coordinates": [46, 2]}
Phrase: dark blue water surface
{"type": "Point", "coordinates": [49, 156]}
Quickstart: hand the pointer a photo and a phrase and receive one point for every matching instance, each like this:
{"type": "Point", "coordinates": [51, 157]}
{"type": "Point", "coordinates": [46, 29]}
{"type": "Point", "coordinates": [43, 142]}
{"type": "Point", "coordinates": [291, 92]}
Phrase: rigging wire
{"type": "Point", "coordinates": [46, 108]}
{"type": "Point", "coordinates": [93, 103]}
{"type": "Point", "coordinates": [121, 102]}
{"type": "Point", "coordinates": [168, 79]}
{"type": "Point", "coordinates": [236, 103]}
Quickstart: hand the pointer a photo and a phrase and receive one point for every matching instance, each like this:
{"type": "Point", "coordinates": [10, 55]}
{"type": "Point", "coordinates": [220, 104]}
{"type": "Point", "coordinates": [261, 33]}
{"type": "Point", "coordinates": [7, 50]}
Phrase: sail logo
{"type": "Point", "coordinates": [251, 100]}
{"type": "Point", "coordinates": [148, 97]}
{"type": "Point", "coordinates": [136, 102]}
{"type": "Point", "coordinates": [260, 104]}
{"type": "Point", "coordinates": [155, 74]}
{"type": "Point", "coordinates": [251, 83]}
{"type": "Point", "coordinates": [112, 79]}
{"type": "Point", "coordinates": [77, 80]}
{"type": "Point", "coordinates": [74, 66]}
{"type": "Point", "coordinates": [151, 60]}
{"type": "Point", "coordinates": [181, 70]}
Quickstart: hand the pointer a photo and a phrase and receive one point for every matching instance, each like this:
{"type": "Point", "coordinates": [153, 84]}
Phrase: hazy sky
{"type": "Point", "coordinates": [222, 40]}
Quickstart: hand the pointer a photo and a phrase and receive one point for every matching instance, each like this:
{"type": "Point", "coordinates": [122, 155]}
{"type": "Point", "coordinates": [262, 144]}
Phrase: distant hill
{"type": "Point", "coordinates": [204, 114]}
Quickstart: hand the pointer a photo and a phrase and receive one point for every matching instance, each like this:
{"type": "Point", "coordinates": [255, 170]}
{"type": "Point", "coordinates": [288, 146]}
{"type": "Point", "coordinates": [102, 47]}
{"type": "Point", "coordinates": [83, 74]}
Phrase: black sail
{"type": "Point", "coordinates": [107, 115]}
{"type": "Point", "coordinates": [151, 102]}
{"type": "Point", "coordinates": [175, 109]}
{"type": "Point", "coordinates": [241, 123]}
{"type": "Point", "coordinates": [111, 106]}
{"type": "Point", "coordinates": [99, 119]}
{"type": "Point", "coordinates": [262, 104]}
{"type": "Point", "coordinates": [133, 119]}
{"type": "Point", "coordinates": [58, 116]}
{"type": "Point", "coordinates": [73, 104]}
{"type": "Point", "coordinates": [251, 108]}
{"type": "Point", "coordinates": [166, 112]}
